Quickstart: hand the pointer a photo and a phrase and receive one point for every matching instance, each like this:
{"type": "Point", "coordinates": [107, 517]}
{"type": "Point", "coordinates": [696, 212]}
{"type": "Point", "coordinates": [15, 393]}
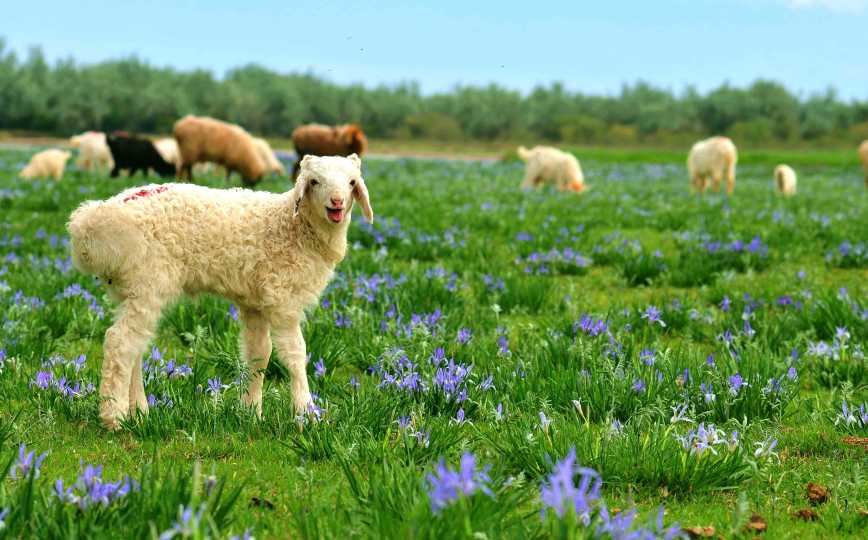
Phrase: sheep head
{"type": "Point", "coordinates": [327, 186]}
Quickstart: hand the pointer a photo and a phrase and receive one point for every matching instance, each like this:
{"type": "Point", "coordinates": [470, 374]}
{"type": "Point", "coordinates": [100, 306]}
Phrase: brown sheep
{"type": "Point", "coordinates": [320, 140]}
{"type": "Point", "coordinates": [202, 139]}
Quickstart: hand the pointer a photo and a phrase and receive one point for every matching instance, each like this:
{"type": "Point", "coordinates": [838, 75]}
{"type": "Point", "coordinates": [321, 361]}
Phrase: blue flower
{"type": "Point", "coordinates": [319, 368]}
{"type": "Point", "coordinates": [559, 492]}
{"type": "Point", "coordinates": [447, 485]}
{"type": "Point", "coordinates": [735, 384]}
{"type": "Point", "coordinates": [638, 386]}
{"type": "Point", "coordinates": [652, 314]}
{"type": "Point", "coordinates": [27, 462]}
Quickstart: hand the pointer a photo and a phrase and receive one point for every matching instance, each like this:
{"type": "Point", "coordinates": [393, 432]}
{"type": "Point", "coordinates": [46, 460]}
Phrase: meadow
{"type": "Point", "coordinates": [487, 363]}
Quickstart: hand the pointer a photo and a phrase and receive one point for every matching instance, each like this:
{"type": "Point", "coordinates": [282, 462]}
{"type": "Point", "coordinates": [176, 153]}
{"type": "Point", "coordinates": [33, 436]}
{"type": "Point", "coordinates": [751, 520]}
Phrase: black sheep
{"type": "Point", "coordinates": [137, 154]}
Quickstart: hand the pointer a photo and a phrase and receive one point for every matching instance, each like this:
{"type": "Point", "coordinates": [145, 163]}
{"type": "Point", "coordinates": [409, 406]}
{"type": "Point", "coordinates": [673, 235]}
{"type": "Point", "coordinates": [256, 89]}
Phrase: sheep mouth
{"type": "Point", "coordinates": [336, 215]}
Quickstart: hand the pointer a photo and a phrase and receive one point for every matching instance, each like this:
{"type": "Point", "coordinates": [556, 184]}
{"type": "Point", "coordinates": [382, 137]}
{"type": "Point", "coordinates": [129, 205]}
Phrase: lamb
{"type": "Point", "coordinates": [863, 157]}
{"type": "Point", "coordinates": [46, 164]}
{"type": "Point", "coordinates": [202, 139]}
{"type": "Point", "coordinates": [93, 151]}
{"type": "Point", "coordinates": [168, 149]}
{"type": "Point", "coordinates": [137, 154]}
{"type": "Point", "coordinates": [716, 158]}
{"type": "Point", "coordinates": [270, 254]}
{"type": "Point", "coordinates": [272, 164]}
{"type": "Point", "coordinates": [547, 164]}
{"type": "Point", "coordinates": [785, 180]}
{"type": "Point", "coordinates": [320, 140]}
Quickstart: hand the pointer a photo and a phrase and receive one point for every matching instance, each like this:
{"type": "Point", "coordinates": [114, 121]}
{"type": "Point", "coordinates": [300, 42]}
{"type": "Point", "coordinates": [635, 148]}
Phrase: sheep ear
{"type": "Point", "coordinates": [298, 192]}
{"type": "Point", "coordinates": [307, 160]}
{"type": "Point", "coordinates": [360, 193]}
{"type": "Point", "coordinates": [357, 161]}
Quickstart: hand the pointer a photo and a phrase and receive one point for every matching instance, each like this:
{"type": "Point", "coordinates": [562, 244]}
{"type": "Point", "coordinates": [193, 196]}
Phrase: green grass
{"type": "Point", "coordinates": [552, 289]}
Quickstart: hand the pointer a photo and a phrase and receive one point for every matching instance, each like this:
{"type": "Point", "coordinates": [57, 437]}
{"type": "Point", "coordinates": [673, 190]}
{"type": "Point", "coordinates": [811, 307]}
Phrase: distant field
{"type": "Point", "coordinates": [704, 355]}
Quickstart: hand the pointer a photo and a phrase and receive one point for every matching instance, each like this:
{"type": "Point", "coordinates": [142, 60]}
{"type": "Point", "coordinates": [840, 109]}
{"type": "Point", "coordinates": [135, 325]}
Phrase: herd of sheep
{"type": "Point", "coordinates": [198, 146]}
{"type": "Point", "coordinates": [271, 254]}
{"type": "Point", "coordinates": [709, 163]}
{"type": "Point", "coordinates": [201, 143]}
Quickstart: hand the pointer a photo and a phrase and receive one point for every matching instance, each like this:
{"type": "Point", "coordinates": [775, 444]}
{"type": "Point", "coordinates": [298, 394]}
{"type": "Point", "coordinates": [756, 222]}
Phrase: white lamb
{"type": "Point", "coordinates": [94, 154]}
{"type": "Point", "coordinates": [713, 158]}
{"type": "Point", "coordinates": [547, 164]}
{"type": "Point", "coordinates": [270, 254]}
{"type": "Point", "coordinates": [785, 180]}
{"type": "Point", "coordinates": [168, 149]}
{"type": "Point", "coordinates": [46, 164]}
{"type": "Point", "coordinates": [272, 164]}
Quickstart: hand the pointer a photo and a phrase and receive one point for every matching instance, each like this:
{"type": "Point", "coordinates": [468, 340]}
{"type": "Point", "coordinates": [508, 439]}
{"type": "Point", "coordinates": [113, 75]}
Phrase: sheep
{"type": "Point", "coordinates": [785, 180]}
{"type": "Point", "coordinates": [716, 158]}
{"type": "Point", "coordinates": [270, 254]}
{"type": "Point", "coordinates": [137, 154]}
{"type": "Point", "coordinates": [545, 163]}
{"type": "Point", "coordinates": [863, 157]}
{"type": "Point", "coordinates": [201, 139]}
{"type": "Point", "coordinates": [46, 164]}
{"type": "Point", "coordinates": [93, 151]}
{"type": "Point", "coordinates": [320, 140]}
{"type": "Point", "coordinates": [272, 164]}
{"type": "Point", "coordinates": [168, 149]}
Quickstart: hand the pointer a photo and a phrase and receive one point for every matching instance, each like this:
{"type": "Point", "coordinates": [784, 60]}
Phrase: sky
{"type": "Point", "coordinates": [593, 46]}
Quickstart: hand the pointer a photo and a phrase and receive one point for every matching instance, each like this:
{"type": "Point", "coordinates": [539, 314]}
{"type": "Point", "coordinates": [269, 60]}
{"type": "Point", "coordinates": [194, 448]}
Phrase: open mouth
{"type": "Point", "coordinates": [336, 215]}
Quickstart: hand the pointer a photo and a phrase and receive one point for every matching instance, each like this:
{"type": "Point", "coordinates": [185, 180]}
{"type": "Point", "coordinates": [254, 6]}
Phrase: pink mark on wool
{"type": "Point", "coordinates": [145, 193]}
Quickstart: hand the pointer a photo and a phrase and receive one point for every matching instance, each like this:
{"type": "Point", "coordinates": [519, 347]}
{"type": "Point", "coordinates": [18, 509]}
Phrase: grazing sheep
{"type": "Point", "coordinates": [716, 158]}
{"type": "Point", "coordinates": [168, 149]}
{"type": "Point", "coordinates": [863, 156]}
{"type": "Point", "coordinates": [201, 139]}
{"type": "Point", "coordinates": [270, 254]}
{"type": "Point", "coordinates": [93, 151]}
{"type": "Point", "coordinates": [137, 154]}
{"type": "Point", "coordinates": [320, 140]}
{"type": "Point", "coordinates": [785, 180]}
{"type": "Point", "coordinates": [46, 164]}
{"type": "Point", "coordinates": [547, 164]}
{"type": "Point", "coordinates": [272, 164]}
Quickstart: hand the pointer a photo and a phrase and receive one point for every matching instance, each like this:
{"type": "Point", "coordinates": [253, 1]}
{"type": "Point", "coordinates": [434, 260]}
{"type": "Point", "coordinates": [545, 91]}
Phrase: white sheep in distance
{"type": "Point", "coordinates": [785, 180]}
{"type": "Point", "coordinates": [94, 154]}
{"type": "Point", "coordinates": [270, 254]}
{"type": "Point", "coordinates": [713, 158]}
{"type": "Point", "coordinates": [547, 164]}
{"type": "Point", "coordinates": [168, 149]}
{"type": "Point", "coordinates": [272, 164]}
{"type": "Point", "coordinates": [46, 164]}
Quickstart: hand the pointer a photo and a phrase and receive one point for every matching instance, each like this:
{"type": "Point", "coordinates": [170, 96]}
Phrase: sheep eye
{"type": "Point", "coordinates": [314, 182]}
{"type": "Point", "coordinates": [352, 182]}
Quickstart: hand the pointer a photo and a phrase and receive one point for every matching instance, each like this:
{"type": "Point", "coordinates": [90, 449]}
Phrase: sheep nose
{"type": "Point", "coordinates": [337, 203]}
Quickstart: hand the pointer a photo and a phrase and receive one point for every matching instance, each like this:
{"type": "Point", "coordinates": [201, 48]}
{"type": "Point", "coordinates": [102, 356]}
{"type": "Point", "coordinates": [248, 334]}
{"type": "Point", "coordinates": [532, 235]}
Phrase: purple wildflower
{"type": "Point", "coordinates": [560, 494]}
{"type": "Point", "coordinates": [27, 462]}
{"type": "Point", "coordinates": [653, 315]}
{"type": "Point", "coordinates": [447, 485]}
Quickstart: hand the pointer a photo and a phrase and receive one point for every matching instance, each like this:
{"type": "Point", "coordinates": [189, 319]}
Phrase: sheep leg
{"type": "Point", "coordinates": [138, 399]}
{"type": "Point", "coordinates": [125, 342]}
{"type": "Point", "coordinates": [115, 172]}
{"type": "Point", "coordinates": [256, 351]}
{"type": "Point", "coordinates": [291, 351]}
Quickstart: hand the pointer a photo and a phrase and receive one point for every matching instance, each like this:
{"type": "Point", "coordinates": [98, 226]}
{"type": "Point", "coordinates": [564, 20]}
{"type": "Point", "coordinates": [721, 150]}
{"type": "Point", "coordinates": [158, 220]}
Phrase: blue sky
{"type": "Point", "coordinates": [592, 46]}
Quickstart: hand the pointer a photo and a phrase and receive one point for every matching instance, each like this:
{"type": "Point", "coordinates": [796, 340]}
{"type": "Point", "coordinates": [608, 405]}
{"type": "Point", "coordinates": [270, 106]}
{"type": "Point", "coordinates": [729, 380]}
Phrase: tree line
{"type": "Point", "coordinates": [66, 97]}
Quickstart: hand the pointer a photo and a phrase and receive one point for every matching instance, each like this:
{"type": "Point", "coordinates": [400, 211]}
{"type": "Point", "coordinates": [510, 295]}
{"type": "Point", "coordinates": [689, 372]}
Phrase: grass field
{"type": "Point", "coordinates": [702, 355]}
